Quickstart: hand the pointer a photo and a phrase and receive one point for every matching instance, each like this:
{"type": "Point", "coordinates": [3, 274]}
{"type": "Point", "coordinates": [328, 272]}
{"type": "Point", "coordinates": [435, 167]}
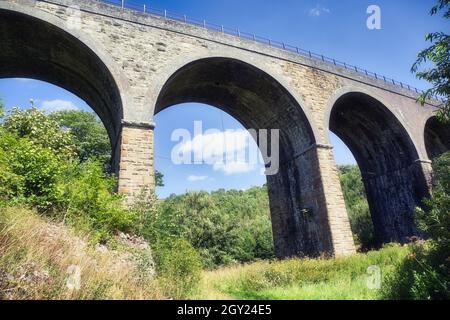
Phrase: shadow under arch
{"type": "Point", "coordinates": [38, 46]}
{"type": "Point", "coordinates": [437, 137]}
{"type": "Point", "coordinates": [258, 101]}
{"type": "Point", "coordinates": [393, 178]}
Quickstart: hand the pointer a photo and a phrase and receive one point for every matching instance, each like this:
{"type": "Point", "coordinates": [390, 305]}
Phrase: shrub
{"type": "Point", "coordinates": [29, 172]}
{"type": "Point", "coordinates": [425, 274]}
{"type": "Point", "coordinates": [40, 169]}
{"type": "Point", "coordinates": [34, 153]}
{"type": "Point", "coordinates": [11, 184]}
{"type": "Point", "coordinates": [178, 267]}
{"type": "Point", "coordinates": [88, 198]}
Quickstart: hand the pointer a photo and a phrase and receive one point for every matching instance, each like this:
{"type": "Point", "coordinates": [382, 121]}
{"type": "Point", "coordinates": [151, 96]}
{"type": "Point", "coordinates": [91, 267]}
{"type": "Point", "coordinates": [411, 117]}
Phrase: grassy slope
{"type": "Point", "coordinates": [36, 256]}
{"type": "Point", "coordinates": [36, 253]}
{"type": "Point", "coordinates": [343, 278]}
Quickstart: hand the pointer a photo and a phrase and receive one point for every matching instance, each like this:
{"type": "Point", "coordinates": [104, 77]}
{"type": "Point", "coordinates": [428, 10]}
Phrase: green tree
{"type": "Point", "coordinates": [224, 226]}
{"type": "Point", "coordinates": [159, 179]}
{"type": "Point", "coordinates": [438, 55]}
{"type": "Point", "coordinates": [90, 136]}
{"type": "Point", "coordinates": [357, 206]}
{"type": "Point", "coordinates": [40, 167]}
{"type": "Point", "coordinates": [34, 152]}
{"type": "Point", "coordinates": [34, 125]}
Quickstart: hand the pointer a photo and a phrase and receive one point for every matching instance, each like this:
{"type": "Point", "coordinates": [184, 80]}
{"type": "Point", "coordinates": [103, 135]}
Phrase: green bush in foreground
{"type": "Point", "coordinates": [30, 172]}
{"type": "Point", "coordinates": [88, 200]}
{"type": "Point", "coordinates": [40, 168]}
{"type": "Point", "coordinates": [178, 267]}
{"type": "Point", "coordinates": [425, 274]}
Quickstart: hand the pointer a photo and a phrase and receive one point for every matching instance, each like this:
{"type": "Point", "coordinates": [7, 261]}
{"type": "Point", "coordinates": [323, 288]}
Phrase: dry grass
{"type": "Point", "coordinates": [37, 256]}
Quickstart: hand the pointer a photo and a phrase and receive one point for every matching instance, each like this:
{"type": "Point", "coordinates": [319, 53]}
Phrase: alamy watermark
{"type": "Point", "coordinates": [374, 20]}
{"type": "Point", "coordinates": [73, 13]}
{"type": "Point", "coordinates": [227, 149]}
{"type": "Point", "coordinates": [73, 281]}
{"type": "Point", "coordinates": [373, 280]}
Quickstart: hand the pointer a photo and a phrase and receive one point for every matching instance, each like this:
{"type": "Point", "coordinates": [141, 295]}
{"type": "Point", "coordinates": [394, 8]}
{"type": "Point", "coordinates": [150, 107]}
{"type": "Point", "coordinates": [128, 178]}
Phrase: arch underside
{"type": "Point", "coordinates": [393, 178]}
{"type": "Point", "coordinates": [259, 102]}
{"type": "Point", "coordinates": [437, 137]}
{"type": "Point", "coordinates": [33, 48]}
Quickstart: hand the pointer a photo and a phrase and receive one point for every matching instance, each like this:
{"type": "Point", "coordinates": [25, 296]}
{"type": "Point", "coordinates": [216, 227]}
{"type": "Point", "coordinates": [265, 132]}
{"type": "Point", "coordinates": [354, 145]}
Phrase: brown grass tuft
{"type": "Point", "coordinates": [38, 257]}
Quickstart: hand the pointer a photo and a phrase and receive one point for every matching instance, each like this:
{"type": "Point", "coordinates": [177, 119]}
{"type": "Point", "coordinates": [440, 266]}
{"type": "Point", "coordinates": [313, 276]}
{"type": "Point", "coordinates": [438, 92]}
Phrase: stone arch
{"type": "Point", "coordinates": [161, 78]}
{"type": "Point", "coordinates": [373, 93]}
{"type": "Point", "coordinates": [437, 137]}
{"type": "Point", "coordinates": [40, 46]}
{"type": "Point", "coordinates": [388, 159]}
{"type": "Point", "coordinates": [256, 99]}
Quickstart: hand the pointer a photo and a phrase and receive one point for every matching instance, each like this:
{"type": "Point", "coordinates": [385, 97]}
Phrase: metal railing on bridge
{"type": "Point", "coordinates": [128, 4]}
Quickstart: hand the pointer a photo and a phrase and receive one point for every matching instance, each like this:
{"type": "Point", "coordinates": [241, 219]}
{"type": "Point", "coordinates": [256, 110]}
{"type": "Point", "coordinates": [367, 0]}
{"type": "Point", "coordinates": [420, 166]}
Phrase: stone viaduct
{"type": "Point", "coordinates": [128, 66]}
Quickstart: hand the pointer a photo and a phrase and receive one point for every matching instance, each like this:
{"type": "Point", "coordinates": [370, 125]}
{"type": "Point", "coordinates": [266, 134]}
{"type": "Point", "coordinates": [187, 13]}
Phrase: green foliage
{"type": "Point", "coordinates": [90, 136]}
{"type": "Point", "coordinates": [2, 109]}
{"type": "Point", "coordinates": [438, 55]}
{"type": "Point", "coordinates": [435, 221]}
{"type": "Point", "coordinates": [30, 172]}
{"type": "Point", "coordinates": [88, 198]}
{"type": "Point", "coordinates": [234, 226]}
{"type": "Point", "coordinates": [34, 125]}
{"type": "Point", "coordinates": [357, 206]}
{"type": "Point", "coordinates": [426, 272]}
{"type": "Point", "coordinates": [224, 226]}
{"type": "Point", "coordinates": [159, 179]}
{"type": "Point", "coordinates": [40, 168]}
{"type": "Point", "coordinates": [11, 184]}
{"type": "Point", "coordinates": [178, 267]}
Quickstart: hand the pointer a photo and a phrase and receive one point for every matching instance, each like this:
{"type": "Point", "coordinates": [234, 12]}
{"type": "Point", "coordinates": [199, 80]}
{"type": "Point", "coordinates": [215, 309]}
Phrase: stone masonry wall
{"type": "Point", "coordinates": [136, 170]}
{"type": "Point", "coordinates": [338, 222]}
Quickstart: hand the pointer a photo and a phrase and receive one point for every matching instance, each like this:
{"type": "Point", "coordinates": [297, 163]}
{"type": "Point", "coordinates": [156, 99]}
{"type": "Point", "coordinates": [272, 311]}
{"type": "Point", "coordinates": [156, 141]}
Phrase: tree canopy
{"type": "Point", "coordinates": [439, 56]}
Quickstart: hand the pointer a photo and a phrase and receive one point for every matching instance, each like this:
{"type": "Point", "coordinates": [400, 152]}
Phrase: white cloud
{"type": "Point", "coordinates": [194, 178]}
{"type": "Point", "coordinates": [231, 151]}
{"type": "Point", "coordinates": [58, 105]}
{"type": "Point", "coordinates": [217, 144]}
{"type": "Point", "coordinates": [318, 10]}
{"type": "Point", "coordinates": [234, 167]}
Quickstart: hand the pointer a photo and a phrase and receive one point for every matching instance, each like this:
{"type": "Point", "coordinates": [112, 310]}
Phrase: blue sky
{"type": "Point", "coordinates": [334, 28]}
